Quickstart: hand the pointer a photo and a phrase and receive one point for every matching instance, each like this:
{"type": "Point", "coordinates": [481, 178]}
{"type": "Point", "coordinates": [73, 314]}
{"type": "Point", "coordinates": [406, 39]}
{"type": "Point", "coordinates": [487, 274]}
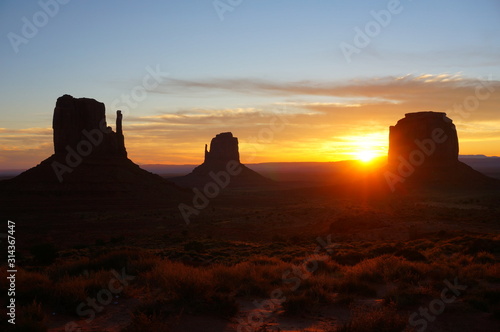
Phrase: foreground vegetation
{"type": "Point", "coordinates": [206, 276]}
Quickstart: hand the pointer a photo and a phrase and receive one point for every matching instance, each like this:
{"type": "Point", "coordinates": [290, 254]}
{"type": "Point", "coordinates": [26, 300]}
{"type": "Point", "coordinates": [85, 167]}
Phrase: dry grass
{"type": "Point", "coordinates": [167, 288]}
{"type": "Point", "coordinates": [380, 319]}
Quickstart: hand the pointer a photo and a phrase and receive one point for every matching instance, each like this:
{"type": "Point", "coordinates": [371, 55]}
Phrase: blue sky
{"type": "Point", "coordinates": [102, 49]}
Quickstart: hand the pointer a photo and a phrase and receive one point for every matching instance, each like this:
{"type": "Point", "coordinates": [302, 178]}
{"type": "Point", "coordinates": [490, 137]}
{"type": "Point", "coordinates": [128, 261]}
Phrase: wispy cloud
{"type": "Point", "coordinates": [393, 95]}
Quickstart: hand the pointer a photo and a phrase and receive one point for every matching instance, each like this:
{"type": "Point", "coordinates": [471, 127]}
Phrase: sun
{"type": "Point", "coordinates": [365, 155]}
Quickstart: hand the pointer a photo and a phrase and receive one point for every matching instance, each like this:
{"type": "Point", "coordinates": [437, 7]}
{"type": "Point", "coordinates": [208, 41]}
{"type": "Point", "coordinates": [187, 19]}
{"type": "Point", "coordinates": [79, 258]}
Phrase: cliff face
{"type": "Point", "coordinates": [80, 125]}
{"type": "Point", "coordinates": [223, 148]}
{"type": "Point", "coordinates": [431, 133]}
{"type": "Point", "coordinates": [423, 152]}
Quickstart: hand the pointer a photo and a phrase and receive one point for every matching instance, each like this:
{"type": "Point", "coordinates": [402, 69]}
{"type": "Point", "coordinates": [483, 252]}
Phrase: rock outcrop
{"type": "Point", "coordinates": [223, 156]}
{"type": "Point", "coordinates": [89, 165]}
{"type": "Point", "coordinates": [431, 133]}
{"type": "Point", "coordinates": [78, 121]}
{"type": "Point", "coordinates": [223, 148]}
{"type": "Point", "coordinates": [423, 151]}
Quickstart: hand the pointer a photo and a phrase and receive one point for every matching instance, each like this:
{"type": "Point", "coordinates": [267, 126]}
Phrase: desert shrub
{"type": "Point", "coordinates": [30, 318]}
{"type": "Point", "coordinates": [389, 269]}
{"type": "Point", "coordinates": [191, 289]}
{"type": "Point", "coordinates": [319, 288]}
{"type": "Point", "coordinates": [474, 272]}
{"type": "Point", "coordinates": [411, 255]}
{"type": "Point", "coordinates": [404, 295]}
{"type": "Point", "coordinates": [143, 264]}
{"type": "Point", "coordinates": [69, 268]}
{"type": "Point", "coordinates": [373, 319]}
{"type": "Point", "coordinates": [484, 258]}
{"type": "Point", "coordinates": [32, 286]}
{"type": "Point", "coordinates": [256, 277]}
{"type": "Point", "coordinates": [70, 291]}
{"type": "Point", "coordinates": [114, 260]}
{"type": "Point", "coordinates": [67, 293]}
{"type": "Point", "coordinates": [492, 273]}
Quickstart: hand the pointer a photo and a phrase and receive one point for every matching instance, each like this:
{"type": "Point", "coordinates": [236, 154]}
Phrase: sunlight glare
{"type": "Point", "coordinates": [365, 156]}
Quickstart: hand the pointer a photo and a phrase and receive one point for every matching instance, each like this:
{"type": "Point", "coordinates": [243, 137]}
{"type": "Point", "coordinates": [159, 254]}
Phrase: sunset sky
{"type": "Point", "coordinates": [293, 80]}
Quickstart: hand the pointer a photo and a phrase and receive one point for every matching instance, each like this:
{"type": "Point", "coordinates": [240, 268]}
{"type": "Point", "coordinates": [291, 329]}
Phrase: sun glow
{"type": "Point", "coordinates": [365, 156]}
{"type": "Point", "coordinates": [366, 148]}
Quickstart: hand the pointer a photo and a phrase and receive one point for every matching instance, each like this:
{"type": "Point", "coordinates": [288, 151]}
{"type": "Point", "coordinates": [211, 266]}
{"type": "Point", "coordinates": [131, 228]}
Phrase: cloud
{"type": "Point", "coordinates": [26, 131]}
{"type": "Point", "coordinates": [477, 98]}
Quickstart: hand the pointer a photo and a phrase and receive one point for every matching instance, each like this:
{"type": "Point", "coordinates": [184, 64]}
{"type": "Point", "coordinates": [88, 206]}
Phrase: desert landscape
{"type": "Point", "coordinates": [237, 166]}
{"type": "Point", "coordinates": [381, 247]}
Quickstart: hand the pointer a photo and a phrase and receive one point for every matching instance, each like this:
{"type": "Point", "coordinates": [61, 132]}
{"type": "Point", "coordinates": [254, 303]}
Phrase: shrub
{"type": "Point", "coordinates": [31, 318]}
{"type": "Point", "coordinates": [370, 319]}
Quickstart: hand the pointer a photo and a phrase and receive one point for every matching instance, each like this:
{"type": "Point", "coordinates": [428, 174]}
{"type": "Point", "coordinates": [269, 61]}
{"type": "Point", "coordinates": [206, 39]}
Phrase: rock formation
{"type": "Point", "coordinates": [78, 121]}
{"type": "Point", "coordinates": [431, 133]}
{"type": "Point", "coordinates": [223, 156]}
{"type": "Point", "coordinates": [89, 164]}
{"type": "Point", "coordinates": [223, 148]}
{"type": "Point", "coordinates": [423, 151]}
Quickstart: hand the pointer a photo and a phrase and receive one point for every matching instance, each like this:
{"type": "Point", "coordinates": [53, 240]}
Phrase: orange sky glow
{"type": "Point", "coordinates": [298, 129]}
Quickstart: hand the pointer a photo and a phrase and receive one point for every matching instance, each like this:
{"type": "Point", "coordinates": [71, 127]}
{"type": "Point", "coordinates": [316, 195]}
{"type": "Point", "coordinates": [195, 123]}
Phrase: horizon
{"type": "Point", "coordinates": [376, 160]}
{"type": "Point", "coordinates": [183, 72]}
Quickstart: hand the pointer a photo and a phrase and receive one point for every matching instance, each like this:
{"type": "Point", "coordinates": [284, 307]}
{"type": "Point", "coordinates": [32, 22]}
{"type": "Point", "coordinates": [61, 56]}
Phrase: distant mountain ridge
{"type": "Point", "coordinates": [484, 164]}
{"type": "Point", "coordinates": [291, 171]}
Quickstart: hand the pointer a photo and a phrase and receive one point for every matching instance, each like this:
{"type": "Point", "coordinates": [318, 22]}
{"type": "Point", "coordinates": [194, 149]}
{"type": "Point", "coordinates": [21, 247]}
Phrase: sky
{"type": "Point", "coordinates": [294, 80]}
